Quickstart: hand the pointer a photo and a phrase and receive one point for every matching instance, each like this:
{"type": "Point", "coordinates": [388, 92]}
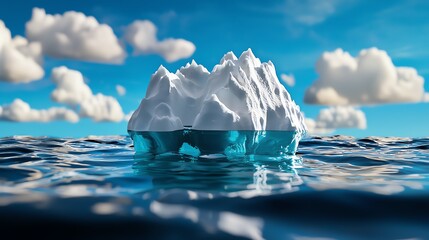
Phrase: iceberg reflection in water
{"type": "Point", "coordinates": [186, 180]}
{"type": "Point", "coordinates": [229, 143]}
{"type": "Point", "coordinates": [334, 188]}
{"type": "Point", "coordinates": [243, 176]}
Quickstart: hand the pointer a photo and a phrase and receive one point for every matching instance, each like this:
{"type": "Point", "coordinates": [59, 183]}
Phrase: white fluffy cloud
{"type": "Point", "coordinates": [142, 36]}
{"type": "Point", "coordinates": [288, 79]}
{"type": "Point", "coordinates": [370, 78]}
{"type": "Point", "coordinates": [19, 59]}
{"type": "Point", "coordinates": [313, 129]}
{"type": "Point", "coordinates": [333, 118]}
{"type": "Point", "coordinates": [101, 108]}
{"type": "Point", "coordinates": [72, 90]}
{"type": "Point", "coordinates": [121, 90]}
{"type": "Point", "coordinates": [74, 35]}
{"type": "Point", "coordinates": [20, 111]}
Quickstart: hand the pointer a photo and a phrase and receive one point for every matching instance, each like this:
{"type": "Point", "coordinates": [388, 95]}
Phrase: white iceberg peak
{"type": "Point", "coordinates": [238, 94]}
{"type": "Point", "coordinates": [248, 54]}
{"type": "Point", "coordinates": [228, 56]}
{"type": "Point", "coordinates": [193, 65]}
{"type": "Point", "coordinates": [161, 70]}
{"type": "Point", "coordinates": [248, 57]}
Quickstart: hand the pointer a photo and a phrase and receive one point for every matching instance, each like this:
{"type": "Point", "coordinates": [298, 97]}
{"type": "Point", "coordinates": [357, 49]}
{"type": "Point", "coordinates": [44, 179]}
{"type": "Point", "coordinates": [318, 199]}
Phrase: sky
{"type": "Point", "coordinates": [370, 40]}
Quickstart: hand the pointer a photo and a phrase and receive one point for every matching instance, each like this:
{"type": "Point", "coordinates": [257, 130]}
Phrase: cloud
{"type": "Point", "coordinates": [101, 108]}
{"type": "Point", "coordinates": [74, 35]}
{"type": "Point", "coordinates": [20, 111]}
{"type": "Point", "coordinates": [121, 90]}
{"type": "Point", "coordinates": [141, 35]}
{"type": "Point", "coordinates": [19, 60]}
{"type": "Point", "coordinates": [288, 79]}
{"type": "Point", "coordinates": [333, 118]}
{"type": "Point", "coordinates": [368, 79]}
{"type": "Point", "coordinates": [72, 90]}
{"type": "Point", "coordinates": [313, 129]}
{"type": "Point", "coordinates": [310, 12]}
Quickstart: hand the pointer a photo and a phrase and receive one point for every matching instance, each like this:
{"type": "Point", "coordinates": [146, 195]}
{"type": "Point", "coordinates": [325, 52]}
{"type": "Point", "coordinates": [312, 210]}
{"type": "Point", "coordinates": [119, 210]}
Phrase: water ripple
{"type": "Point", "coordinates": [381, 184]}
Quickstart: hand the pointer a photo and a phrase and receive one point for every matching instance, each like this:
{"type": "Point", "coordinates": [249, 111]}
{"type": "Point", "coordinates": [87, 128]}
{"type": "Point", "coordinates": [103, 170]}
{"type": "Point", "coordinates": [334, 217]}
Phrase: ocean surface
{"type": "Point", "coordinates": [97, 188]}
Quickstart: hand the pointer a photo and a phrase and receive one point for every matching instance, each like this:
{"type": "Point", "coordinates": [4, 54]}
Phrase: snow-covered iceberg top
{"type": "Point", "coordinates": [238, 94]}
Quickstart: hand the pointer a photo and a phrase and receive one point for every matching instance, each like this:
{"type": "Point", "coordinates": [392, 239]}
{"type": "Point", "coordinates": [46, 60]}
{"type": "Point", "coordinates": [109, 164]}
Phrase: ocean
{"type": "Point", "coordinates": [335, 187]}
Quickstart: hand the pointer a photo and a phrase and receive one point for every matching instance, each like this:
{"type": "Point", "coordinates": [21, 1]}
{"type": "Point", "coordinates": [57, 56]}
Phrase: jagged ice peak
{"type": "Point", "coordinates": [238, 94]}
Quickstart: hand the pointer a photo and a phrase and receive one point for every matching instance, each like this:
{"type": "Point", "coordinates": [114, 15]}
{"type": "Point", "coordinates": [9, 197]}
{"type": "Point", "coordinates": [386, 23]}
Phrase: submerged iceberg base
{"type": "Point", "coordinates": [229, 143]}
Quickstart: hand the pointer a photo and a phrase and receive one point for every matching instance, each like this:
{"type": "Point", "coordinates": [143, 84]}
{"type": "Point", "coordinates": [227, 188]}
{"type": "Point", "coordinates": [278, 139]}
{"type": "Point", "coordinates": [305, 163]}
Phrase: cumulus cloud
{"type": "Point", "coordinates": [74, 35]}
{"type": "Point", "coordinates": [121, 90]}
{"type": "Point", "coordinates": [101, 108]}
{"type": "Point", "coordinates": [141, 35]}
{"type": "Point", "coordinates": [313, 129]}
{"type": "Point", "coordinates": [333, 118]}
{"type": "Point", "coordinates": [368, 79]}
{"type": "Point", "coordinates": [19, 60]}
{"type": "Point", "coordinates": [71, 89]}
{"type": "Point", "coordinates": [20, 111]}
{"type": "Point", "coordinates": [288, 79]}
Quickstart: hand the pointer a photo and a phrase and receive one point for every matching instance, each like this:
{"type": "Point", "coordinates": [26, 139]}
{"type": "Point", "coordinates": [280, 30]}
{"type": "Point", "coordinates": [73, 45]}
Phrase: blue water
{"type": "Point", "coordinates": [98, 188]}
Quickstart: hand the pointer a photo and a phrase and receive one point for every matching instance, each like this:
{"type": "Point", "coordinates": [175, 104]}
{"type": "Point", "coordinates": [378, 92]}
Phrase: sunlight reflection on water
{"type": "Point", "coordinates": [331, 182]}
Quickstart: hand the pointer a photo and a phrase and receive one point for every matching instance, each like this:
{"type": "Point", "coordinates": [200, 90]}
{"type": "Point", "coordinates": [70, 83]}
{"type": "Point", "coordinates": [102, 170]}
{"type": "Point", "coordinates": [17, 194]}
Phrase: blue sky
{"type": "Point", "coordinates": [292, 34]}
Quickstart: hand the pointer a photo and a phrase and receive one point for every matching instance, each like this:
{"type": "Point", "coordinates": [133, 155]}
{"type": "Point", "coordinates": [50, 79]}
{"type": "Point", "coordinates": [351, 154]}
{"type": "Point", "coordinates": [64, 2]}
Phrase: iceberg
{"type": "Point", "coordinates": [240, 107]}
